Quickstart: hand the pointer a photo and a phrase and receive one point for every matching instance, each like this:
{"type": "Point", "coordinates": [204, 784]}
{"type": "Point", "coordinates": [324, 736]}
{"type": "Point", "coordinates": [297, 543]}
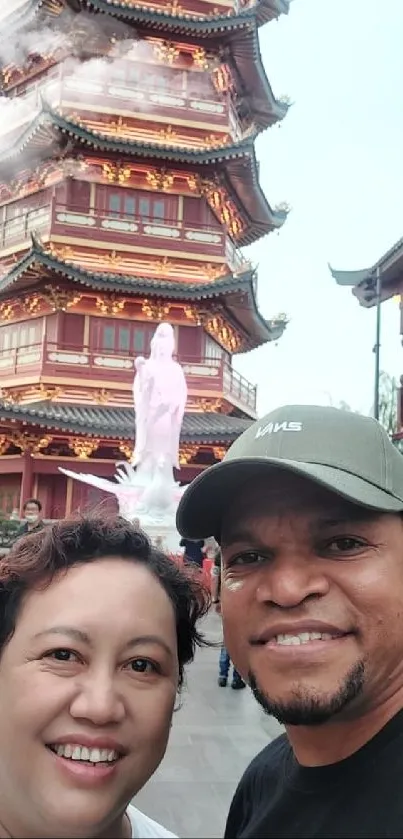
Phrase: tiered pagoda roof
{"type": "Point", "coordinates": [236, 37]}
{"type": "Point", "coordinates": [237, 162]}
{"type": "Point", "coordinates": [260, 11]}
{"type": "Point", "coordinates": [118, 423]}
{"type": "Point", "coordinates": [237, 293]}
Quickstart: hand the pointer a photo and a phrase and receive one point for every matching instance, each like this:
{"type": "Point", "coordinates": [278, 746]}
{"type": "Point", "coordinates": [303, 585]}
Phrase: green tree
{"type": "Point", "coordinates": [388, 390]}
{"type": "Point", "coordinates": [388, 395]}
{"type": "Point", "coordinates": [344, 406]}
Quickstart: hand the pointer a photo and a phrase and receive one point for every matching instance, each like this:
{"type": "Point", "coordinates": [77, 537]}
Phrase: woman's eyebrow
{"type": "Point", "coordinates": [84, 638]}
{"type": "Point", "coordinates": [77, 634]}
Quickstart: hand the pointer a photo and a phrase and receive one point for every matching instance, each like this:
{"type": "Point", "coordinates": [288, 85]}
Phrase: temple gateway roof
{"type": "Point", "coordinates": [363, 281]}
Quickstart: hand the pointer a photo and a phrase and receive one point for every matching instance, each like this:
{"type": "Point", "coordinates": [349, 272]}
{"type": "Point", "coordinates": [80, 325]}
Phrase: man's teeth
{"type": "Point", "coordinates": [303, 638]}
{"type": "Point", "coordinates": [70, 750]}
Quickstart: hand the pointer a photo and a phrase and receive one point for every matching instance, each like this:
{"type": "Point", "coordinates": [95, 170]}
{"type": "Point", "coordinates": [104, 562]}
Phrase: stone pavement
{"type": "Point", "coordinates": [215, 734]}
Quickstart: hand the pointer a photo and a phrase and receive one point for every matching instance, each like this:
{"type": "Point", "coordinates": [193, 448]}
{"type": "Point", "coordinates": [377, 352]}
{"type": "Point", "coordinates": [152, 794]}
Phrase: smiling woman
{"type": "Point", "coordinates": [96, 627]}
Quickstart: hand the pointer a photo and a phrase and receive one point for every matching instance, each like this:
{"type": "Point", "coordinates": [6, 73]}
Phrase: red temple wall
{"type": "Point", "coordinates": [10, 488]}
{"type": "Point", "coordinates": [190, 342]}
{"type": "Point", "coordinates": [51, 491]}
{"type": "Point", "coordinates": [88, 499]}
{"type": "Point", "coordinates": [71, 330]}
{"type": "Point", "coordinates": [52, 327]}
{"type": "Point", "coordinates": [198, 212]}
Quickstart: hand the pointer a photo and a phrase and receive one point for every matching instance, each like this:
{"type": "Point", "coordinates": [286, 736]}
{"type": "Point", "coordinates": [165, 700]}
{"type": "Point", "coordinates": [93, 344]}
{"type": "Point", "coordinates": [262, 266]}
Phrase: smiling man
{"type": "Point", "coordinates": [308, 510]}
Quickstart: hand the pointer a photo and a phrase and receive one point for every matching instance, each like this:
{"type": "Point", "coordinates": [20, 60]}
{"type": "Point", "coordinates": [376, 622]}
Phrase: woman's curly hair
{"type": "Point", "coordinates": [37, 558]}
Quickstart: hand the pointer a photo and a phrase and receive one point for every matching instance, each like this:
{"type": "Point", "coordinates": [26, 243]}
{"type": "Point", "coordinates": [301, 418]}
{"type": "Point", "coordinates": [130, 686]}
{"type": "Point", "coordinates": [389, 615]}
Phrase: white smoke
{"type": "Point", "coordinates": [16, 48]}
{"type": "Point", "coordinates": [72, 33]}
{"type": "Point", "coordinates": [79, 75]}
{"type": "Point", "coordinates": [19, 46]}
{"type": "Point", "coordinates": [10, 8]}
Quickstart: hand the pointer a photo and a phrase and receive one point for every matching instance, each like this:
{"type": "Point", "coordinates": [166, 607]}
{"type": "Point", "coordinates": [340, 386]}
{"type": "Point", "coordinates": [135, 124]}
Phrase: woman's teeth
{"type": "Point", "coordinates": [74, 752]}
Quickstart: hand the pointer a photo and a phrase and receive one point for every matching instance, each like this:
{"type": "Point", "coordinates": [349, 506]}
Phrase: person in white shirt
{"type": "Point", "coordinates": [145, 828]}
{"type": "Point", "coordinates": [96, 628]}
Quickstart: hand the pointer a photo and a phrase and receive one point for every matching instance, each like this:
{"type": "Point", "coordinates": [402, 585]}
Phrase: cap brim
{"type": "Point", "coordinates": [205, 500]}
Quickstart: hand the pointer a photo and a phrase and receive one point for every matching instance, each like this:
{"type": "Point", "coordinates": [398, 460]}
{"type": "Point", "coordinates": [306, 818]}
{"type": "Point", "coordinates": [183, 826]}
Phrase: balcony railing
{"type": "Point", "coordinates": [223, 378]}
{"type": "Point", "coordinates": [64, 88]}
{"type": "Point", "coordinates": [120, 228]}
{"type": "Point", "coordinates": [17, 230]}
{"type": "Point", "coordinates": [215, 376]}
{"type": "Point", "coordinates": [239, 388]}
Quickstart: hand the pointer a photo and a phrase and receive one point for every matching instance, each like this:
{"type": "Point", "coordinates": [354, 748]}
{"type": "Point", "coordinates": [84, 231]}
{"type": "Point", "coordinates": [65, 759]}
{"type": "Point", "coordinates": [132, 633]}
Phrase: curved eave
{"type": "Point", "coordinates": [48, 119]}
{"type": "Point", "coordinates": [262, 11]}
{"type": "Point", "coordinates": [244, 179]}
{"type": "Point", "coordinates": [244, 310]}
{"type": "Point", "coordinates": [38, 257]}
{"type": "Point", "coordinates": [240, 164]}
{"type": "Point", "coordinates": [118, 423]}
{"type": "Point", "coordinates": [179, 23]}
{"type": "Point", "coordinates": [351, 278]}
{"type": "Point", "coordinates": [277, 328]}
{"type": "Point", "coordinates": [267, 10]}
{"type": "Point", "coordinates": [247, 59]}
{"type": "Point", "coordinates": [363, 282]}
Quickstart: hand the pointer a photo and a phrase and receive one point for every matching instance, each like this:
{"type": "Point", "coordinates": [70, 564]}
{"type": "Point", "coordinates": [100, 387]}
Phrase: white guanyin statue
{"type": "Point", "coordinates": [146, 488]}
{"type": "Point", "coordinates": [159, 393]}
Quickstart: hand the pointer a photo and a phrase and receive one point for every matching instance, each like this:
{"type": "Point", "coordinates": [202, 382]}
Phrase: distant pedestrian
{"type": "Point", "coordinates": [160, 544]}
{"type": "Point", "coordinates": [194, 551]}
{"type": "Point", "coordinates": [225, 661]}
{"type": "Point", "coordinates": [32, 515]}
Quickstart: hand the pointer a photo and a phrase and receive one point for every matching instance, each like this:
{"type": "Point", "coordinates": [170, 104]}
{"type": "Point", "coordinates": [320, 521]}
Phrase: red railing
{"type": "Point", "coordinates": [48, 357]}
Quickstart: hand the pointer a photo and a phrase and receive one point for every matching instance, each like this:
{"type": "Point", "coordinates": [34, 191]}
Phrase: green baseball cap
{"type": "Point", "coordinates": [346, 453]}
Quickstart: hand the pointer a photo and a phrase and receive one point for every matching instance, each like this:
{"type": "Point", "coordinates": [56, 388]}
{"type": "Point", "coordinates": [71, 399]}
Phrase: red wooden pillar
{"type": "Point", "coordinates": [26, 478]}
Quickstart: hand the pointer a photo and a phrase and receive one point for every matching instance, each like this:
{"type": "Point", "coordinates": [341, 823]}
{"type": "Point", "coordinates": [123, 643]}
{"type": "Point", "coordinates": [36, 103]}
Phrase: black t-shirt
{"type": "Point", "coordinates": [361, 796]}
{"type": "Point", "coordinates": [24, 528]}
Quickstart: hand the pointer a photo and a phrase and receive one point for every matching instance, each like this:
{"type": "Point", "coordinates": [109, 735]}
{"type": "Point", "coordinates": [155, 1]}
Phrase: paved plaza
{"type": "Point", "coordinates": [215, 734]}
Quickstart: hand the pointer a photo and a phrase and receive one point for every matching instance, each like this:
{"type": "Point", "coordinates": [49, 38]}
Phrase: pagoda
{"type": "Point", "coordinates": [128, 187]}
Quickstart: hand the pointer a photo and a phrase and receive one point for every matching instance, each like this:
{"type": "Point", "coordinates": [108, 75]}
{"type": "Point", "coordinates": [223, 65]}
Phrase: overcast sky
{"type": "Point", "coordinates": [337, 160]}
